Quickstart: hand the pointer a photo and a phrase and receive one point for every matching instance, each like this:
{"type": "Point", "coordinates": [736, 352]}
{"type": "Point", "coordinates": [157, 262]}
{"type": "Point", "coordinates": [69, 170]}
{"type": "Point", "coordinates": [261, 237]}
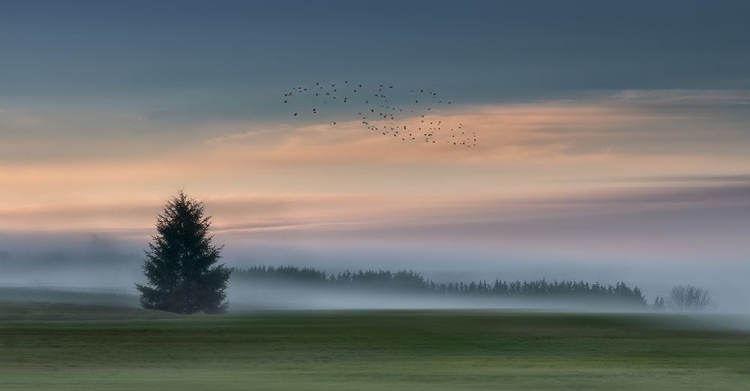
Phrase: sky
{"type": "Point", "coordinates": [610, 134]}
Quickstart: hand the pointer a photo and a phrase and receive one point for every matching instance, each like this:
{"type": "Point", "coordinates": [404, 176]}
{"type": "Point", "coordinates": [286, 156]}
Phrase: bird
{"type": "Point", "coordinates": [390, 106]}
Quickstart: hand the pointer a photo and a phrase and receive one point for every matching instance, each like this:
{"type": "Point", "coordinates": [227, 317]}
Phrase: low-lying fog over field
{"type": "Point", "coordinates": [106, 268]}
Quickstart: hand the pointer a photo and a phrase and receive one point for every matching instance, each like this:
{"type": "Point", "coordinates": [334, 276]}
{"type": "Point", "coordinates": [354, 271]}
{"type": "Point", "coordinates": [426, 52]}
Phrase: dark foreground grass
{"type": "Point", "coordinates": [143, 350]}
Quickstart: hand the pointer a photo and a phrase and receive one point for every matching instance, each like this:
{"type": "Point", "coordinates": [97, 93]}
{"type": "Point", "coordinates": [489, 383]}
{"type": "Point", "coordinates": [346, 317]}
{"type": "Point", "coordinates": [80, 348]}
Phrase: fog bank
{"type": "Point", "coordinates": [101, 262]}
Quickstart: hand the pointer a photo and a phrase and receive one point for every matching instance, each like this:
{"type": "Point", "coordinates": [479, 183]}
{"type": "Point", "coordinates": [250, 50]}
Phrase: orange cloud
{"type": "Point", "coordinates": [521, 148]}
{"type": "Point", "coordinates": [626, 125]}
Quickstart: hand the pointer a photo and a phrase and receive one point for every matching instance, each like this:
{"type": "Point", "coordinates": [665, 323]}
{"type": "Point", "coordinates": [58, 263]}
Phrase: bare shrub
{"type": "Point", "coordinates": [690, 298]}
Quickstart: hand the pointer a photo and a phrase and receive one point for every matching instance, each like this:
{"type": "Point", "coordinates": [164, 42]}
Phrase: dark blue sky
{"type": "Point", "coordinates": [223, 59]}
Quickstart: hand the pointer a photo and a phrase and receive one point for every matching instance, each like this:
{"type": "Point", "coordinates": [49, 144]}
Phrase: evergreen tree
{"type": "Point", "coordinates": [181, 262]}
{"type": "Point", "coordinates": [659, 304]}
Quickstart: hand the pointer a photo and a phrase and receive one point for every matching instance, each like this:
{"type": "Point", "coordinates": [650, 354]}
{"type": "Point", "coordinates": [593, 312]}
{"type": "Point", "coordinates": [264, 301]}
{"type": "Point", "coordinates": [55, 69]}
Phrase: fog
{"type": "Point", "coordinates": [262, 296]}
{"type": "Point", "coordinates": [101, 265]}
{"type": "Point", "coordinates": [70, 261]}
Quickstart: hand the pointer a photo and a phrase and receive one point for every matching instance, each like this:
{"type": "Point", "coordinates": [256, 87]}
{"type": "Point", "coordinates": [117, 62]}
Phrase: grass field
{"type": "Point", "coordinates": [74, 347]}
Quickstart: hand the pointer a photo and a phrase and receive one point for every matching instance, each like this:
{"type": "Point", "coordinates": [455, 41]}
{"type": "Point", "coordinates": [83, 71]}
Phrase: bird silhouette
{"type": "Point", "coordinates": [392, 105]}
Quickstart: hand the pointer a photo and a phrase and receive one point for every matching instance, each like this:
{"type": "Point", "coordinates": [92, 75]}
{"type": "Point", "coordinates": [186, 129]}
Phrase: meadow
{"type": "Point", "coordinates": [81, 347]}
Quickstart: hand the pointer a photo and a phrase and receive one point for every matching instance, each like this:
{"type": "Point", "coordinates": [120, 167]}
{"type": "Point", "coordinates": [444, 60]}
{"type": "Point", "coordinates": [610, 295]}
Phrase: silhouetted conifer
{"type": "Point", "coordinates": [181, 262]}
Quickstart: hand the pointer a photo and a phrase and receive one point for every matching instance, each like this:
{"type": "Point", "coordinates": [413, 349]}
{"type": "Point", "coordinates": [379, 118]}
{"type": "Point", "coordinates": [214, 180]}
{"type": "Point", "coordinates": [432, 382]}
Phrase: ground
{"type": "Point", "coordinates": [79, 347]}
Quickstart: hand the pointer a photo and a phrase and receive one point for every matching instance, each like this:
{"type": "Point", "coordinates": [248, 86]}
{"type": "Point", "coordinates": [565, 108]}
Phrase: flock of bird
{"type": "Point", "coordinates": [407, 116]}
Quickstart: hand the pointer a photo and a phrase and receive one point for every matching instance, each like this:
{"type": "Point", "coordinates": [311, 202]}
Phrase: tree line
{"type": "Point", "coordinates": [411, 281]}
{"type": "Point", "coordinates": [183, 275]}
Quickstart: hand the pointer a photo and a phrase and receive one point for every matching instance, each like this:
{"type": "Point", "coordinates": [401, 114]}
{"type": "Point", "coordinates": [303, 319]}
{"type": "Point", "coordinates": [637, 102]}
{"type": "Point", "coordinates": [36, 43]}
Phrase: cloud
{"type": "Point", "coordinates": [533, 149]}
{"type": "Point", "coordinates": [671, 221]}
{"type": "Point", "coordinates": [673, 122]}
{"type": "Point", "coordinates": [686, 224]}
{"type": "Point", "coordinates": [634, 123]}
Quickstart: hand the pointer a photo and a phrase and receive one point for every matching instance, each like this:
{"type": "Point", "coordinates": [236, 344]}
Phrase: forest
{"type": "Point", "coordinates": [409, 281]}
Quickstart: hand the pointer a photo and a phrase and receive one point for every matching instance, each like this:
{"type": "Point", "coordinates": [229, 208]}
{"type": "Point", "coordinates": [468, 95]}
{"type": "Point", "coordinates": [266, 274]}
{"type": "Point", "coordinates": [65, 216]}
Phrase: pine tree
{"type": "Point", "coordinates": [181, 262]}
{"type": "Point", "coordinates": [659, 304]}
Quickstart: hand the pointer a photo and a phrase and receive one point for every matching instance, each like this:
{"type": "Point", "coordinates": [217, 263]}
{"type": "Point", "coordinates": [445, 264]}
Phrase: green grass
{"type": "Point", "coordinates": [83, 347]}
